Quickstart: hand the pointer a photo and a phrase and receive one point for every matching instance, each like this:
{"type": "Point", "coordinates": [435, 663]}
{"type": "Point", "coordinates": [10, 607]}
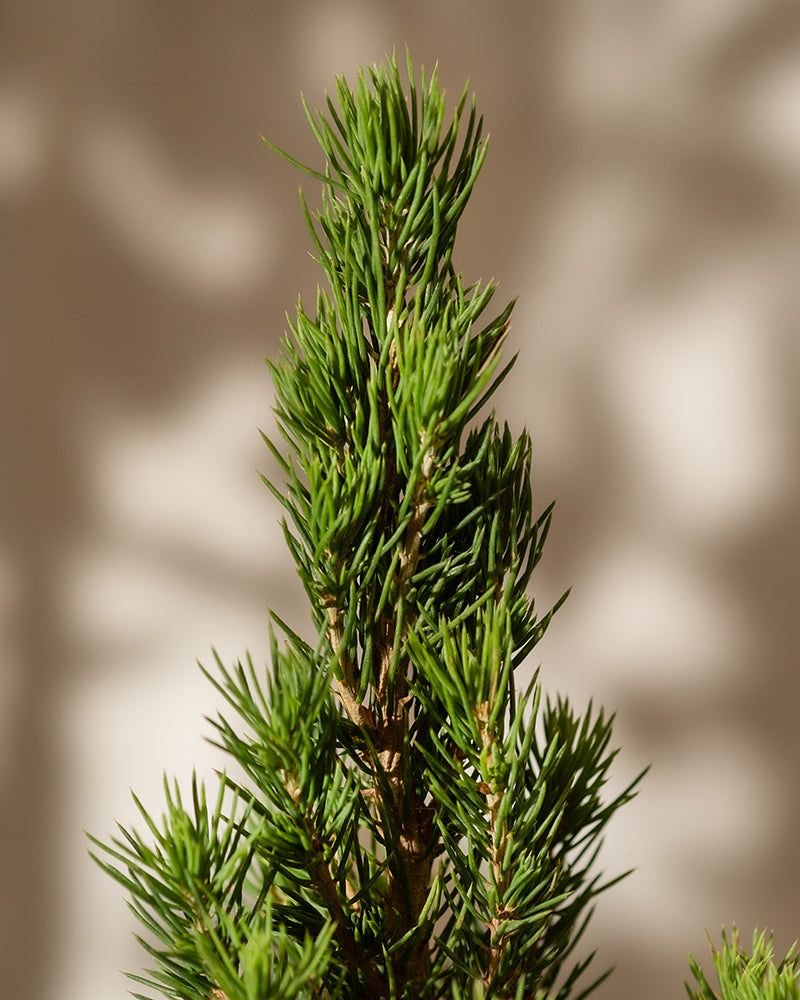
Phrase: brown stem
{"type": "Point", "coordinates": [408, 894]}
{"type": "Point", "coordinates": [410, 868]}
{"type": "Point", "coordinates": [494, 796]}
{"type": "Point", "coordinates": [348, 690]}
{"type": "Point", "coordinates": [409, 882]}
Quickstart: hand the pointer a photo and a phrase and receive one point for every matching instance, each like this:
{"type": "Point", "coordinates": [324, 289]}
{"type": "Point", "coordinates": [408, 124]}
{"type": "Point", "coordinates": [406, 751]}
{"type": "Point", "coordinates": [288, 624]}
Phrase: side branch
{"type": "Point", "coordinates": [498, 841]}
{"type": "Point", "coordinates": [348, 689]}
{"type": "Point", "coordinates": [357, 961]}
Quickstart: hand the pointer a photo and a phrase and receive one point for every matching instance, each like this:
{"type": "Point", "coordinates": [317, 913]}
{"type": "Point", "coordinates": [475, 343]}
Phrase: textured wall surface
{"type": "Point", "coordinates": [641, 196]}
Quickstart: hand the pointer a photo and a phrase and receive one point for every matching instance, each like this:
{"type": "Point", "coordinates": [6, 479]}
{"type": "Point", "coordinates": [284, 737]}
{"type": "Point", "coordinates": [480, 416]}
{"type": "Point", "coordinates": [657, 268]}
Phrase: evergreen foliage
{"type": "Point", "coordinates": [748, 977]}
{"type": "Point", "coordinates": [408, 824]}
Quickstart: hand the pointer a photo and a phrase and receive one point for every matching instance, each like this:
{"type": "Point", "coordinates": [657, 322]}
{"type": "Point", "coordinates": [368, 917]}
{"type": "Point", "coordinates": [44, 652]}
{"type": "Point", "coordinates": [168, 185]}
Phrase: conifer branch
{"type": "Point", "coordinates": [359, 963]}
{"type": "Point", "coordinates": [397, 740]}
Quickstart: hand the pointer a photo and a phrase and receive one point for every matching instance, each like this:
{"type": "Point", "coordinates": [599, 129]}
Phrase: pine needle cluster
{"type": "Point", "coordinates": [404, 823]}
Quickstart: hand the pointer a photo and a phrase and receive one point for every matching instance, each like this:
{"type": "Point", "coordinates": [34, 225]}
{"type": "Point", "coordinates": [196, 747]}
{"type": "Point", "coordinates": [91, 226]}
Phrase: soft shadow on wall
{"type": "Point", "coordinates": [640, 195]}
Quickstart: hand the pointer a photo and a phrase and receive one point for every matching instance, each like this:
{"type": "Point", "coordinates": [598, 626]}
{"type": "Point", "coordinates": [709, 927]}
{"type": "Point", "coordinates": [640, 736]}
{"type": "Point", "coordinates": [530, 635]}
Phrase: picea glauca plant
{"type": "Point", "coordinates": [409, 824]}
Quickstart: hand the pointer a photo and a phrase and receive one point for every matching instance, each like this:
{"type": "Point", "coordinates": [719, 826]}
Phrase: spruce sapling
{"type": "Point", "coordinates": [407, 824]}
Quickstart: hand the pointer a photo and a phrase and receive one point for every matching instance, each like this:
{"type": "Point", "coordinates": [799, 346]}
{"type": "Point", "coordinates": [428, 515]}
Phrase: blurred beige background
{"type": "Point", "coordinates": [641, 197]}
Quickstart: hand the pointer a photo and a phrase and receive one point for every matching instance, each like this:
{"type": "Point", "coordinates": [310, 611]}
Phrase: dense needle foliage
{"type": "Point", "coordinates": [749, 977]}
{"type": "Point", "coordinates": [408, 824]}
